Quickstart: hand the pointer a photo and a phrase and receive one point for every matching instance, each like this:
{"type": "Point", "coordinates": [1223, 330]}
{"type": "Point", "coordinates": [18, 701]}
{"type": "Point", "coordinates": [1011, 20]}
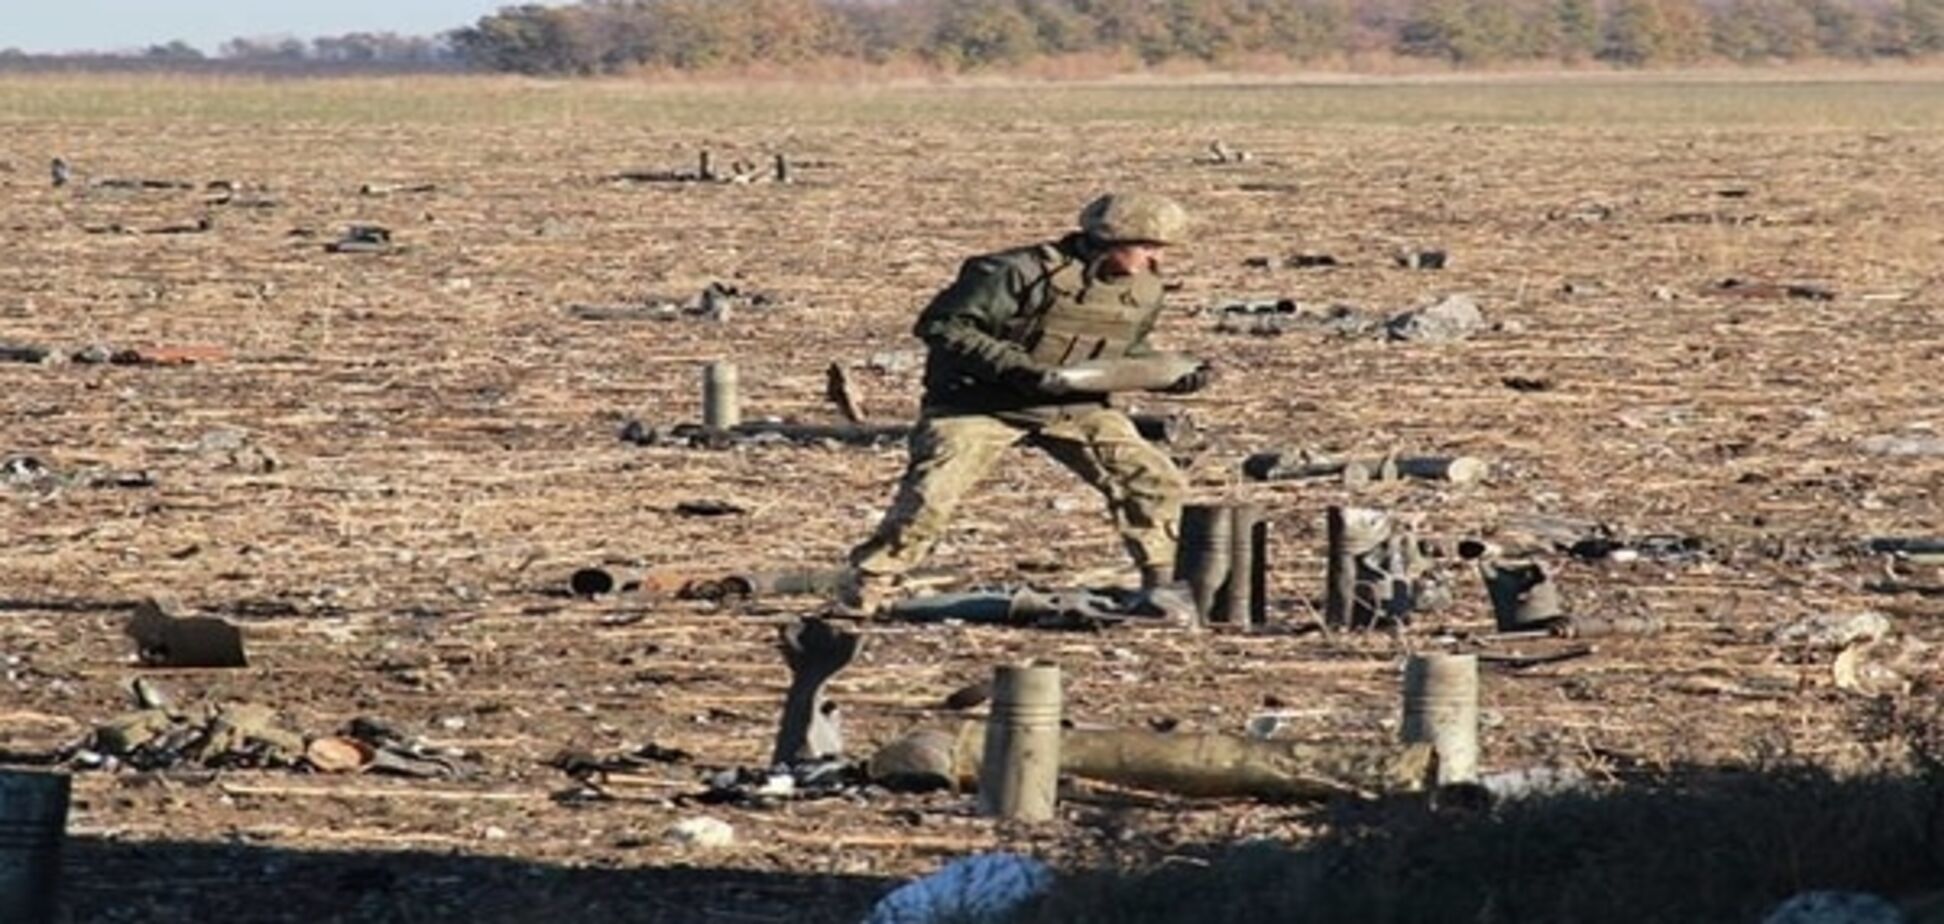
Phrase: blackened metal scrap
{"type": "Point", "coordinates": [815, 651]}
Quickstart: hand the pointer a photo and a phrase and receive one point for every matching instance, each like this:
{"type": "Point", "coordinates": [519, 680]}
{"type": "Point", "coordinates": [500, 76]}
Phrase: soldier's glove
{"type": "Point", "coordinates": [1037, 381]}
{"type": "Point", "coordinates": [1192, 382]}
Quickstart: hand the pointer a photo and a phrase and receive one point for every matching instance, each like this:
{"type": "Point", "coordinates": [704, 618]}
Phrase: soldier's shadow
{"type": "Point", "coordinates": [107, 880]}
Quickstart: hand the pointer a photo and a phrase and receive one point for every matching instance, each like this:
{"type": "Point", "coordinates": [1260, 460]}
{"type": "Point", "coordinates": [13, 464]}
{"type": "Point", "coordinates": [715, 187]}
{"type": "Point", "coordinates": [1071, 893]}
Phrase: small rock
{"type": "Point", "coordinates": [894, 362]}
{"type": "Point", "coordinates": [494, 833]}
{"type": "Point", "coordinates": [1834, 631]}
{"type": "Point", "coordinates": [1422, 259]}
{"type": "Point", "coordinates": [1533, 781]}
{"type": "Point", "coordinates": [1664, 294]}
{"type": "Point", "coordinates": [1902, 446]}
{"type": "Point", "coordinates": [1454, 318]}
{"type": "Point", "coordinates": [702, 833]}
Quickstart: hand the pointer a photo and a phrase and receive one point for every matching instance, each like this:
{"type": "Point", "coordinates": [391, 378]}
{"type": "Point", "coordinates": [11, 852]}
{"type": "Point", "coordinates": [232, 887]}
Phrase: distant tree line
{"type": "Point", "coordinates": [620, 36]}
{"type": "Point", "coordinates": [613, 36]}
{"type": "Point", "coordinates": [353, 52]}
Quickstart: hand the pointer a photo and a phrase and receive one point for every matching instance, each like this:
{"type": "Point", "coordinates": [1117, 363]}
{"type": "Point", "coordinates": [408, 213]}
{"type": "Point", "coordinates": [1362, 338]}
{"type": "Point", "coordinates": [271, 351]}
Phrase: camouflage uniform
{"type": "Point", "coordinates": [994, 335]}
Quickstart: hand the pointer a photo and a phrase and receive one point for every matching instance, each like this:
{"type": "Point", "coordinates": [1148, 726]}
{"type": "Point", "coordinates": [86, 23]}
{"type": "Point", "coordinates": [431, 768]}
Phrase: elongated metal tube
{"type": "Point", "coordinates": [1139, 373]}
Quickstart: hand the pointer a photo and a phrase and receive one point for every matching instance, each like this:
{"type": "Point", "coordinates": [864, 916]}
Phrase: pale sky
{"type": "Point", "coordinates": [109, 25]}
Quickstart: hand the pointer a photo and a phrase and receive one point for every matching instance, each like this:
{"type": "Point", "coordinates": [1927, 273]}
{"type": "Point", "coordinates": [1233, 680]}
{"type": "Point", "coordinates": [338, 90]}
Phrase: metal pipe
{"type": "Point", "coordinates": [1203, 556]}
{"type": "Point", "coordinates": [1441, 709]}
{"type": "Point", "coordinates": [721, 404]}
{"type": "Point", "coordinates": [1020, 774]}
{"type": "Point", "coordinates": [1245, 603]}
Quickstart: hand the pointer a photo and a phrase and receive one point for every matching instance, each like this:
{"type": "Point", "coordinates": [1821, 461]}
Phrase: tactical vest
{"type": "Point", "coordinates": [1076, 320]}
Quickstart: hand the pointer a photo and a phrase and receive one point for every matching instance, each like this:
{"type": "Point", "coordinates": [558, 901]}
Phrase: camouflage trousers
{"type": "Point", "coordinates": [950, 454]}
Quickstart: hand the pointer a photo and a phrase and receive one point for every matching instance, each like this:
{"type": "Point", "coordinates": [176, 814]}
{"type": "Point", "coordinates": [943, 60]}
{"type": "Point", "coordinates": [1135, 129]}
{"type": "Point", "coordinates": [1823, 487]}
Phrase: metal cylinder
{"type": "Point", "coordinates": [1202, 558]}
{"type": "Point", "coordinates": [721, 403]}
{"type": "Point", "coordinates": [33, 821]}
{"type": "Point", "coordinates": [1020, 774]}
{"type": "Point", "coordinates": [1441, 709]}
{"type": "Point", "coordinates": [1247, 587]}
{"type": "Point", "coordinates": [593, 582]}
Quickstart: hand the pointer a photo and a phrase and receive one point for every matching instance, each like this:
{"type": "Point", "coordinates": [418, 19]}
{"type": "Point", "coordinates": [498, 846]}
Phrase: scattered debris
{"type": "Point", "coordinates": [1584, 213]}
{"type": "Point", "coordinates": [118, 183]}
{"type": "Point", "coordinates": [337, 755]}
{"type": "Point", "coordinates": [988, 887]}
{"type": "Point", "coordinates": [1456, 317]}
{"type": "Point", "coordinates": [22, 353]}
{"type": "Point", "coordinates": [1273, 317]}
{"type": "Point", "coordinates": [1834, 631]}
{"type": "Point", "coordinates": [587, 767]}
{"type": "Point", "coordinates": [163, 640]}
{"type": "Point", "coordinates": [1207, 766]}
{"type": "Point", "coordinates": [1526, 384]}
{"type": "Point", "coordinates": [701, 833]}
{"type": "Point", "coordinates": [718, 301]}
{"type": "Point", "coordinates": [709, 508]}
{"type": "Point", "coordinates": [1663, 548]}
{"type": "Point", "coordinates": [1898, 447]}
{"type": "Point", "coordinates": [199, 226]}
{"type": "Point", "coordinates": [1870, 668]}
{"type": "Point", "coordinates": [1421, 259]}
{"type": "Point", "coordinates": [1220, 153]}
{"type": "Point", "coordinates": [1743, 288]}
{"type": "Point", "coordinates": [739, 172]}
{"type": "Point", "coordinates": [164, 355]}
{"type": "Point", "coordinates": [918, 762]}
{"type": "Point", "coordinates": [1531, 782]}
{"type": "Point", "coordinates": [1175, 429]}
{"type": "Point", "coordinates": [1302, 259]}
{"type": "Point", "coordinates": [1084, 610]}
{"type": "Point", "coordinates": [839, 391]}
{"type": "Point", "coordinates": [810, 730]}
{"type": "Point", "coordinates": [368, 239]}
{"type": "Point", "coordinates": [1710, 218]}
{"type": "Point", "coordinates": [1294, 465]}
{"type": "Point", "coordinates": [971, 695]}
{"type": "Point", "coordinates": [392, 189]}
{"type": "Point", "coordinates": [1517, 661]}
{"type": "Point", "coordinates": [1588, 626]}
{"type": "Point", "coordinates": [1524, 596]}
{"type": "Point", "coordinates": [215, 737]}
{"type": "Point", "coordinates": [1375, 570]}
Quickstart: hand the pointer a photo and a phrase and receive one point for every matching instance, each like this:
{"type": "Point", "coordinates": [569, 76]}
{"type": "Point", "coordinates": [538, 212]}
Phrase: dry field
{"type": "Point", "coordinates": [444, 437]}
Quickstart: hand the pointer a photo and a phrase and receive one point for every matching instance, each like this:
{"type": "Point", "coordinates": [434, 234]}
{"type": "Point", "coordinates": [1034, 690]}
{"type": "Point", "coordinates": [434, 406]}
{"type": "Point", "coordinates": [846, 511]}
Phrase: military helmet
{"type": "Point", "coordinates": [1122, 218]}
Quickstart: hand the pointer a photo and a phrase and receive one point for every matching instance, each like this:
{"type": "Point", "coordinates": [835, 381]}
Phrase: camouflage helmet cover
{"type": "Point", "coordinates": [1118, 218]}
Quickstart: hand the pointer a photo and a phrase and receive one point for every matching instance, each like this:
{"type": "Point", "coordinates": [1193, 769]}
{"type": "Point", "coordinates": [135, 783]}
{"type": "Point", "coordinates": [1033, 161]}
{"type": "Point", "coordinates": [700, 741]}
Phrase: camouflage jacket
{"type": "Point", "coordinates": [986, 331]}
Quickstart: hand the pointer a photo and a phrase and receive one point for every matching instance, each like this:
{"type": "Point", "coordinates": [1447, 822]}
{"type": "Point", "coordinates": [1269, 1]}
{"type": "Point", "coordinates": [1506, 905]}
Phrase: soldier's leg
{"type": "Point", "coordinates": [1144, 490]}
{"type": "Point", "coordinates": [948, 457]}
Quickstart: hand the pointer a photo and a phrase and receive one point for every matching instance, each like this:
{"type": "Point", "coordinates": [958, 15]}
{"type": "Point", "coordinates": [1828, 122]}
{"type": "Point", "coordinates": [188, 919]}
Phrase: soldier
{"type": "Point", "coordinates": [997, 337]}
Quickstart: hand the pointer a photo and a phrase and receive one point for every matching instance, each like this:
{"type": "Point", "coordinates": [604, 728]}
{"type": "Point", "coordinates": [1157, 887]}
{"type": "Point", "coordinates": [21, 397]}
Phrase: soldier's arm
{"type": "Point", "coordinates": [965, 319]}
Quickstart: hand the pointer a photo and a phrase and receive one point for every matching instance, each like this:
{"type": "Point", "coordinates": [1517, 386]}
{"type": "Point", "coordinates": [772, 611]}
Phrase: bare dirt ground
{"type": "Point", "coordinates": [445, 443]}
